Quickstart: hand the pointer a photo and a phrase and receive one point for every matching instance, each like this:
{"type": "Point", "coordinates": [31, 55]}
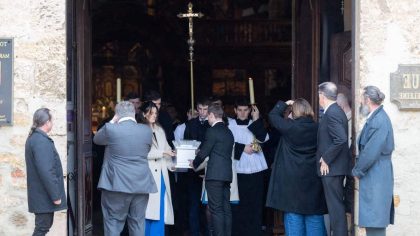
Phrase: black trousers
{"type": "Point", "coordinates": [247, 215]}
{"type": "Point", "coordinates": [334, 195]}
{"type": "Point", "coordinates": [349, 194]}
{"type": "Point", "coordinates": [43, 223]}
{"type": "Point", "coordinates": [218, 193]}
{"type": "Point", "coordinates": [375, 231]}
{"type": "Point", "coordinates": [189, 197]}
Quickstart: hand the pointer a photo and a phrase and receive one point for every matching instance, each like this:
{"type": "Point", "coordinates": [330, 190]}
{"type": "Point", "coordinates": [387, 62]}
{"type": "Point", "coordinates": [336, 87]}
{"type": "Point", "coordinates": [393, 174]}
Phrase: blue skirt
{"type": "Point", "coordinates": [157, 227]}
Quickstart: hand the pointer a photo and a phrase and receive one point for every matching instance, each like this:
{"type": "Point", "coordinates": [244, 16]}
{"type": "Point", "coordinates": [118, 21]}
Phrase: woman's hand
{"type": "Point", "coordinates": [169, 153]}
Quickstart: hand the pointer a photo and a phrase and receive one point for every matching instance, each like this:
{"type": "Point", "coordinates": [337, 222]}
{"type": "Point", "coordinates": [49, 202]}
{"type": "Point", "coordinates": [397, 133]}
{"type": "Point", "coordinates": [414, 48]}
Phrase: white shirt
{"type": "Point", "coordinates": [216, 123]}
{"type": "Point", "coordinates": [370, 114]}
{"type": "Point", "coordinates": [325, 110]}
{"type": "Point", "coordinates": [123, 119]}
{"type": "Point", "coordinates": [179, 132]}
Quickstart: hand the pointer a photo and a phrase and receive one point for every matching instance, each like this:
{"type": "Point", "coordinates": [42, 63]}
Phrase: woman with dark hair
{"type": "Point", "coordinates": [44, 173]}
{"type": "Point", "coordinates": [295, 187]}
{"type": "Point", "coordinates": [159, 208]}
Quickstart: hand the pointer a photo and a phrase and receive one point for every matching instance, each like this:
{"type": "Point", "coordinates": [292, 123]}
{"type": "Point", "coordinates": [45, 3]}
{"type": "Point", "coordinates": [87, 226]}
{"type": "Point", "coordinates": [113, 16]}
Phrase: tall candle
{"type": "Point", "coordinates": [103, 112]}
{"type": "Point", "coordinates": [118, 90]}
{"type": "Point", "coordinates": [251, 91]}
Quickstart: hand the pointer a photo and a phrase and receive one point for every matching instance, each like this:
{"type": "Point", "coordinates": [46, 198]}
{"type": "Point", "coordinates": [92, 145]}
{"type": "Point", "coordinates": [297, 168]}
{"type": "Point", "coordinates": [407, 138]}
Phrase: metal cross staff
{"type": "Point", "coordinates": [190, 15]}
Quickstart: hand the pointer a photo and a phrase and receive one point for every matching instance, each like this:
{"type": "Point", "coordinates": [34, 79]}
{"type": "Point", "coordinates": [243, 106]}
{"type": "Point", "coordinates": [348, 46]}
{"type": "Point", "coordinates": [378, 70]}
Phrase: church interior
{"type": "Point", "coordinates": [144, 44]}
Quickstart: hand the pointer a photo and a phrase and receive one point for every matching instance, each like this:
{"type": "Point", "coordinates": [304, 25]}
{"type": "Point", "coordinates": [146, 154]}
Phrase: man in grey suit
{"type": "Point", "coordinates": [126, 180]}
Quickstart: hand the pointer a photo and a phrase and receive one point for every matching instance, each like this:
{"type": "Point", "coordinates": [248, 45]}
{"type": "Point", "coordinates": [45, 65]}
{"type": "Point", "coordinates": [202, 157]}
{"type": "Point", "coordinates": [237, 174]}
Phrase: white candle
{"type": "Point", "coordinates": [251, 91]}
{"type": "Point", "coordinates": [118, 90]}
{"type": "Point", "coordinates": [103, 112]}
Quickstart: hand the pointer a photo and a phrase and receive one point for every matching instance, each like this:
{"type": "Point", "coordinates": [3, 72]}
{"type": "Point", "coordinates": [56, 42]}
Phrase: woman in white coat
{"type": "Point", "coordinates": [159, 208]}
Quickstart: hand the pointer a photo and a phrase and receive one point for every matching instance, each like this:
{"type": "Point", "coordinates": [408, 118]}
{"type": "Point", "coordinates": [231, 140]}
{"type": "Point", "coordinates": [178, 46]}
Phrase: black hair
{"type": "Point", "coordinates": [205, 101]}
{"type": "Point", "coordinates": [151, 95]}
{"type": "Point", "coordinates": [242, 101]}
{"type": "Point", "coordinates": [145, 108]}
{"type": "Point", "coordinates": [131, 95]}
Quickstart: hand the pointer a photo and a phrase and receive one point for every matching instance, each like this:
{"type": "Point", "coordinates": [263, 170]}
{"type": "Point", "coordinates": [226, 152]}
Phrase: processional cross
{"type": "Point", "coordinates": [190, 15]}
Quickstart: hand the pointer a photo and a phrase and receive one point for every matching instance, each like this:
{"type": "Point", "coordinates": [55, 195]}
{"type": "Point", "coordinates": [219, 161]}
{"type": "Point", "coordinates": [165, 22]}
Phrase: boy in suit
{"type": "Point", "coordinates": [218, 146]}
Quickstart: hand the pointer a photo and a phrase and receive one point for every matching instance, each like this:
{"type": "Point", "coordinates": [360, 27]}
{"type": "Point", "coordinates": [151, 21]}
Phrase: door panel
{"type": "Point", "coordinates": [305, 50]}
{"type": "Point", "coordinates": [341, 58]}
{"type": "Point", "coordinates": [83, 65]}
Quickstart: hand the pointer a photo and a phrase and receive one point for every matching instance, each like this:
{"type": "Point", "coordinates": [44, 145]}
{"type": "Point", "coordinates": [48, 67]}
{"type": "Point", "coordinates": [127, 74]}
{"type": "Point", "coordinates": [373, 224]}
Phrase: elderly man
{"type": "Point", "coordinates": [374, 166]}
{"type": "Point", "coordinates": [333, 156]}
{"type": "Point", "coordinates": [126, 180]}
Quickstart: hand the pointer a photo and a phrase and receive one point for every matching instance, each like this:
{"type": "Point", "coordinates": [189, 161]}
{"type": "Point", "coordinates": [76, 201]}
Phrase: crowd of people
{"type": "Point", "coordinates": [224, 193]}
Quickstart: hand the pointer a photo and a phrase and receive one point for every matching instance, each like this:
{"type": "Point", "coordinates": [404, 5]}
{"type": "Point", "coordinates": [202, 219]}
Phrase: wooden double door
{"type": "Point", "coordinates": [306, 61]}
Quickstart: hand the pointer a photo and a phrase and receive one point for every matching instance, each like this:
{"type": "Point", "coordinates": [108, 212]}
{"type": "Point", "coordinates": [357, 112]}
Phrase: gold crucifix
{"type": "Point", "coordinates": [190, 15]}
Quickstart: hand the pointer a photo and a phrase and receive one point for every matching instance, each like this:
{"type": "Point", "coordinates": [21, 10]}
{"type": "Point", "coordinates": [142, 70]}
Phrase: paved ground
{"type": "Point", "coordinates": [59, 227]}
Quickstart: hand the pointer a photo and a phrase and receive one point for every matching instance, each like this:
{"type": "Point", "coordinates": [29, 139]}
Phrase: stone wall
{"type": "Point", "coordinates": [38, 28]}
{"type": "Point", "coordinates": [390, 35]}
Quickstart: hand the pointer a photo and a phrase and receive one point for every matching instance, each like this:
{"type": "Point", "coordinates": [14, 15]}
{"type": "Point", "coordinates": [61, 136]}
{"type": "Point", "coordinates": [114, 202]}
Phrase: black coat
{"type": "Point", "coordinates": [166, 122]}
{"type": "Point", "coordinates": [218, 146]}
{"type": "Point", "coordinates": [294, 183]}
{"type": "Point", "coordinates": [333, 141]}
{"type": "Point", "coordinates": [195, 130]}
{"type": "Point", "coordinates": [44, 174]}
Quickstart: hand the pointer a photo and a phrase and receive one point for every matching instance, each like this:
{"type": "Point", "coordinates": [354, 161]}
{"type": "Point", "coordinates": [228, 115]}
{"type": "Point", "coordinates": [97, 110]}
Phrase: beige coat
{"type": "Point", "coordinates": [159, 164]}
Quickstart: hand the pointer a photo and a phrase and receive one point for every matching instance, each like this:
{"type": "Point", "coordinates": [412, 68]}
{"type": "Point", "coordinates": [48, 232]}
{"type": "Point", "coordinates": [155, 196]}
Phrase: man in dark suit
{"type": "Point", "coordinates": [333, 156]}
{"type": "Point", "coordinates": [190, 182]}
{"type": "Point", "coordinates": [218, 146]}
{"type": "Point", "coordinates": [126, 180]}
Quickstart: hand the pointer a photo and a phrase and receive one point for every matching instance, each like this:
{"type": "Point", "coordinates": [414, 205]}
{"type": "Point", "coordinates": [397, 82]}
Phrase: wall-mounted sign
{"type": "Point", "coordinates": [405, 87]}
{"type": "Point", "coordinates": [6, 81]}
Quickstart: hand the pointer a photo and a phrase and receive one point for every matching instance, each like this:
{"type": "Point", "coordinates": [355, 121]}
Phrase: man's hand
{"type": "Point", "coordinates": [324, 167]}
{"type": "Point", "coordinates": [290, 102]}
{"type": "Point", "coordinates": [57, 202]}
{"type": "Point", "coordinates": [248, 149]}
{"type": "Point", "coordinates": [255, 113]}
{"type": "Point", "coordinates": [191, 163]}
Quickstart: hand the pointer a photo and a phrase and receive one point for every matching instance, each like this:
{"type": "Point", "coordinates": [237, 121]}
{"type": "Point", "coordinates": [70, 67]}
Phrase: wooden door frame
{"type": "Point", "coordinates": [79, 72]}
{"type": "Point", "coordinates": [315, 52]}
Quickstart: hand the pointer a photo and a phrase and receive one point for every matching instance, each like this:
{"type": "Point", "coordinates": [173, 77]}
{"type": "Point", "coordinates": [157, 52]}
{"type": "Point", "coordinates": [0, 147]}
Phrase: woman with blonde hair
{"type": "Point", "coordinates": [295, 187]}
{"type": "Point", "coordinates": [159, 208]}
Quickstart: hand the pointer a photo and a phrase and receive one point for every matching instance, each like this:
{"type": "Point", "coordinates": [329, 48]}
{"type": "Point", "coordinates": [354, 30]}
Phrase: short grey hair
{"type": "Point", "coordinates": [125, 109]}
{"type": "Point", "coordinates": [374, 94]}
{"type": "Point", "coordinates": [329, 90]}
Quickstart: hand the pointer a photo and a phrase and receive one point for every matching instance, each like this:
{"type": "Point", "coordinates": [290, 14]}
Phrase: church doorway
{"type": "Point", "coordinates": [283, 45]}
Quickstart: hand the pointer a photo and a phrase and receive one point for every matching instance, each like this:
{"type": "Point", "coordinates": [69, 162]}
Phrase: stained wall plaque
{"type": "Point", "coordinates": [405, 87]}
{"type": "Point", "coordinates": [6, 81]}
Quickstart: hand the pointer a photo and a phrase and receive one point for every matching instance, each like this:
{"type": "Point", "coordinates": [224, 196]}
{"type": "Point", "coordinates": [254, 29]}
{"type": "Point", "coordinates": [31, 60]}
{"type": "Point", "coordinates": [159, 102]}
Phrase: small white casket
{"type": "Point", "coordinates": [185, 151]}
